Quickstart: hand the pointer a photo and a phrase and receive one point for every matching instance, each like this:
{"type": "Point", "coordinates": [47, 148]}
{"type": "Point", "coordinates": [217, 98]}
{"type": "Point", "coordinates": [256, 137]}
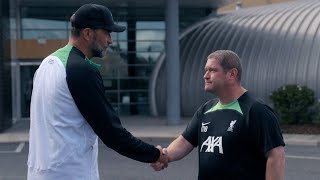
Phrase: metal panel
{"type": "Point", "coordinates": [278, 44]}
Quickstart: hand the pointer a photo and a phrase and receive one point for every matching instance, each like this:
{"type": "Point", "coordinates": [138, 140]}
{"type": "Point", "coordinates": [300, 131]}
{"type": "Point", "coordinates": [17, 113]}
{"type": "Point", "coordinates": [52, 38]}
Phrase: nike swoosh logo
{"type": "Point", "coordinates": [203, 124]}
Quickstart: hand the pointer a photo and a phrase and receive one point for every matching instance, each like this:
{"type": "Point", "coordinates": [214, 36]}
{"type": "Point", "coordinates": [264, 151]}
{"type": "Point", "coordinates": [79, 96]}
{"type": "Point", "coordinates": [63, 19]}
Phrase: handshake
{"type": "Point", "coordinates": [162, 161]}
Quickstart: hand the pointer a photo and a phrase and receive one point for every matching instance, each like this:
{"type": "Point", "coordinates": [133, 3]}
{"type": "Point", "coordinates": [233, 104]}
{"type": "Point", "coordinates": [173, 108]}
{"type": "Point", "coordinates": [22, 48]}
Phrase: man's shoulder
{"type": "Point", "coordinates": [247, 99]}
{"type": "Point", "coordinates": [254, 104]}
{"type": "Point", "coordinates": [249, 102]}
{"type": "Point", "coordinates": [208, 105]}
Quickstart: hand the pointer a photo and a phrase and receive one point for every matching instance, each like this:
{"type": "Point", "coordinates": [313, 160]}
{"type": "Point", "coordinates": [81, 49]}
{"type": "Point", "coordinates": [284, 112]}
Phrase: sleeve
{"type": "Point", "coordinates": [191, 131]}
{"type": "Point", "coordinates": [264, 128]}
{"type": "Point", "coordinates": [87, 90]}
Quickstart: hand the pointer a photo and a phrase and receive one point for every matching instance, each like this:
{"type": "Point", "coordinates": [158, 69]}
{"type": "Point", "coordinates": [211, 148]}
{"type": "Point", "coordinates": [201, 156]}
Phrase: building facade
{"type": "Point", "coordinates": [33, 29]}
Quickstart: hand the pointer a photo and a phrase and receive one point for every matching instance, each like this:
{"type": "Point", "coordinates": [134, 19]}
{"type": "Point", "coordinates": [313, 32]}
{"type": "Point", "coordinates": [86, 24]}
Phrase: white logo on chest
{"type": "Point", "coordinates": [230, 128]}
{"type": "Point", "coordinates": [204, 127]}
{"type": "Point", "coordinates": [211, 143]}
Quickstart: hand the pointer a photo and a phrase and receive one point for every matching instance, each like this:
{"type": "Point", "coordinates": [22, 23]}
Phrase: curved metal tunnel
{"type": "Point", "coordinates": [278, 44]}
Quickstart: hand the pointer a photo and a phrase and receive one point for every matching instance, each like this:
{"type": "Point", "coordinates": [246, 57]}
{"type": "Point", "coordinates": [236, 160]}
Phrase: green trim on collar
{"type": "Point", "coordinates": [63, 54]}
{"type": "Point", "coordinates": [233, 105]}
{"type": "Point", "coordinates": [92, 63]}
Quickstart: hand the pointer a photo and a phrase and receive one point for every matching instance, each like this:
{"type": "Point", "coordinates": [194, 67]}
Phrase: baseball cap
{"type": "Point", "coordinates": [95, 16]}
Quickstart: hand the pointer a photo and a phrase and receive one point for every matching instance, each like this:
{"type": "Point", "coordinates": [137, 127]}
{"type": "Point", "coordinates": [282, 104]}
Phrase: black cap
{"type": "Point", "coordinates": [95, 16]}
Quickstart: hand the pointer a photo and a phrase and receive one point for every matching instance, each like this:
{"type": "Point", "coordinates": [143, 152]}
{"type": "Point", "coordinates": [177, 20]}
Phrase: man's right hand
{"type": "Point", "coordinates": [162, 161]}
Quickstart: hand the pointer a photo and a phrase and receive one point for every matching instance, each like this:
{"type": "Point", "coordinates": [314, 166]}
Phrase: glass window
{"type": "Point", "coordinates": [141, 97]}
{"type": "Point", "coordinates": [131, 84]}
{"type": "Point", "coordinates": [138, 97]}
{"type": "Point", "coordinates": [41, 28]}
{"type": "Point", "coordinates": [110, 84]}
{"type": "Point", "coordinates": [150, 25]}
{"type": "Point", "coordinates": [142, 109]}
{"type": "Point", "coordinates": [147, 35]}
{"type": "Point", "coordinates": [45, 34]}
{"type": "Point", "coordinates": [143, 71]}
{"type": "Point", "coordinates": [31, 23]}
{"type": "Point", "coordinates": [112, 66]}
{"type": "Point", "coordinates": [119, 45]}
{"type": "Point", "coordinates": [119, 36]}
{"type": "Point", "coordinates": [150, 46]}
{"type": "Point", "coordinates": [147, 57]}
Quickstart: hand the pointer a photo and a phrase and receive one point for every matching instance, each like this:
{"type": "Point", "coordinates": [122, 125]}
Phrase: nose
{"type": "Point", "coordinates": [205, 76]}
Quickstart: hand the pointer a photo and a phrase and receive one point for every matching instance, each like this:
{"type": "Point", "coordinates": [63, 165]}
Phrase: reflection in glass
{"type": "Point", "coordinates": [32, 23]}
{"type": "Point", "coordinates": [144, 70]}
{"type": "Point", "coordinates": [45, 34]}
{"type": "Point", "coordinates": [150, 25]}
{"type": "Point", "coordinates": [112, 65]}
{"type": "Point", "coordinates": [140, 97]}
{"type": "Point", "coordinates": [121, 46]}
{"type": "Point", "coordinates": [147, 57]}
{"type": "Point", "coordinates": [110, 84]}
{"type": "Point", "coordinates": [147, 35]}
{"type": "Point", "coordinates": [119, 36]}
{"type": "Point", "coordinates": [138, 84]}
{"type": "Point", "coordinates": [150, 46]}
{"type": "Point", "coordinates": [142, 109]}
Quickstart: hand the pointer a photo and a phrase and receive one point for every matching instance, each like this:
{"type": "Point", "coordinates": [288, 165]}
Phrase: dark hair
{"type": "Point", "coordinates": [228, 60]}
{"type": "Point", "coordinates": [75, 32]}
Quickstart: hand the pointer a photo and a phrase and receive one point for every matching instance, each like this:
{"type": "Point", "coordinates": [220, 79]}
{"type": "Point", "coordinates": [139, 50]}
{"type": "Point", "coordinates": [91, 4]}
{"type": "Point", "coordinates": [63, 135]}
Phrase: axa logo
{"type": "Point", "coordinates": [204, 127]}
{"type": "Point", "coordinates": [212, 142]}
{"type": "Point", "coordinates": [232, 123]}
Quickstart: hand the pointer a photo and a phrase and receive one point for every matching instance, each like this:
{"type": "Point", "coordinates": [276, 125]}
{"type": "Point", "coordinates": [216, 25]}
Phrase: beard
{"type": "Point", "coordinates": [96, 50]}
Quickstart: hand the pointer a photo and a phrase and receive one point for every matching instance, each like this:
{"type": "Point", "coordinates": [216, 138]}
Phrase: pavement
{"type": "Point", "coordinates": [149, 128]}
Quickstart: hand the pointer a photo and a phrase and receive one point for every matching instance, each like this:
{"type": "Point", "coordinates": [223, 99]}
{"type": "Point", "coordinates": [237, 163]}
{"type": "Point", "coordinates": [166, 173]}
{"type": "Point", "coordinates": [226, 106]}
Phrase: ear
{"type": "Point", "coordinates": [86, 33]}
{"type": "Point", "coordinates": [233, 73]}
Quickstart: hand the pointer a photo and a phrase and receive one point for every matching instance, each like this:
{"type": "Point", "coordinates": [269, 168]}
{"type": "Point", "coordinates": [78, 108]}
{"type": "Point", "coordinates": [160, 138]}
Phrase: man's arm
{"type": "Point", "coordinates": [275, 164]}
{"type": "Point", "coordinates": [266, 134]}
{"type": "Point", "coordinates": [87, 90]}
{"type": "Point", "coordinates": [177, 150]}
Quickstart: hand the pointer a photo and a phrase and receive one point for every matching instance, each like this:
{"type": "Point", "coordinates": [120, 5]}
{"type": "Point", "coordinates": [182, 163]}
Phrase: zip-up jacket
{"type": "Point", "coordinates": [69, 111]}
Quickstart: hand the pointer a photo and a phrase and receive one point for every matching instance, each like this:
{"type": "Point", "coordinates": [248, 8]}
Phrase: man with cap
{"type": "Point", "coordinates": [69, 110]}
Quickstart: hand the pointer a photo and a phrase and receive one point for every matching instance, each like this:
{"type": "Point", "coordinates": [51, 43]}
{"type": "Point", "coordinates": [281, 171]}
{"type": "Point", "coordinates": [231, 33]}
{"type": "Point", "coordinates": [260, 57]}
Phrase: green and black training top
{"type": "Point", "coordinates": [68, 111]}
{"type": "Point", "coordinates": [233, 139]}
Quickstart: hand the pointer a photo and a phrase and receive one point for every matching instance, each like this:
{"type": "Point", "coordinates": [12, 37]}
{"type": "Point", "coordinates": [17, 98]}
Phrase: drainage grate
{"type": "Point", "coordinates": [11, 147]}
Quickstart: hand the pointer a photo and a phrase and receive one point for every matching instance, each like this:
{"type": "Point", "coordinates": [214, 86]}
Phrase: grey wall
{"type": "Point", "coordinates": [5, 69]}
{"type": "Point", "coordinates": [278, 44]}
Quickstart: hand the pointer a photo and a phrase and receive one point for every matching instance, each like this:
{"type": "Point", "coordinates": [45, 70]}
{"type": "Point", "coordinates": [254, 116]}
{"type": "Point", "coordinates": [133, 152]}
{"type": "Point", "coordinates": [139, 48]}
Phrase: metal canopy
{"type": "Point", "coordinates": [278, 44]}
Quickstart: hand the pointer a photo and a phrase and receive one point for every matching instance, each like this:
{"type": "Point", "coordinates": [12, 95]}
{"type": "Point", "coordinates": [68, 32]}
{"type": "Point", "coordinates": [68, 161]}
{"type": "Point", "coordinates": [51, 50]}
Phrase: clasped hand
{"type": "Point", "coordinates": [162, 161]}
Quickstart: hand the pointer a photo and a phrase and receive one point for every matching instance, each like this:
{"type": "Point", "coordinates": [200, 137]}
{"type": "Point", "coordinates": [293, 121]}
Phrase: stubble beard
{"type": "Point", "coordinates": [211, 89]}
{"type": "Point", "coordinates": [96, 51]}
